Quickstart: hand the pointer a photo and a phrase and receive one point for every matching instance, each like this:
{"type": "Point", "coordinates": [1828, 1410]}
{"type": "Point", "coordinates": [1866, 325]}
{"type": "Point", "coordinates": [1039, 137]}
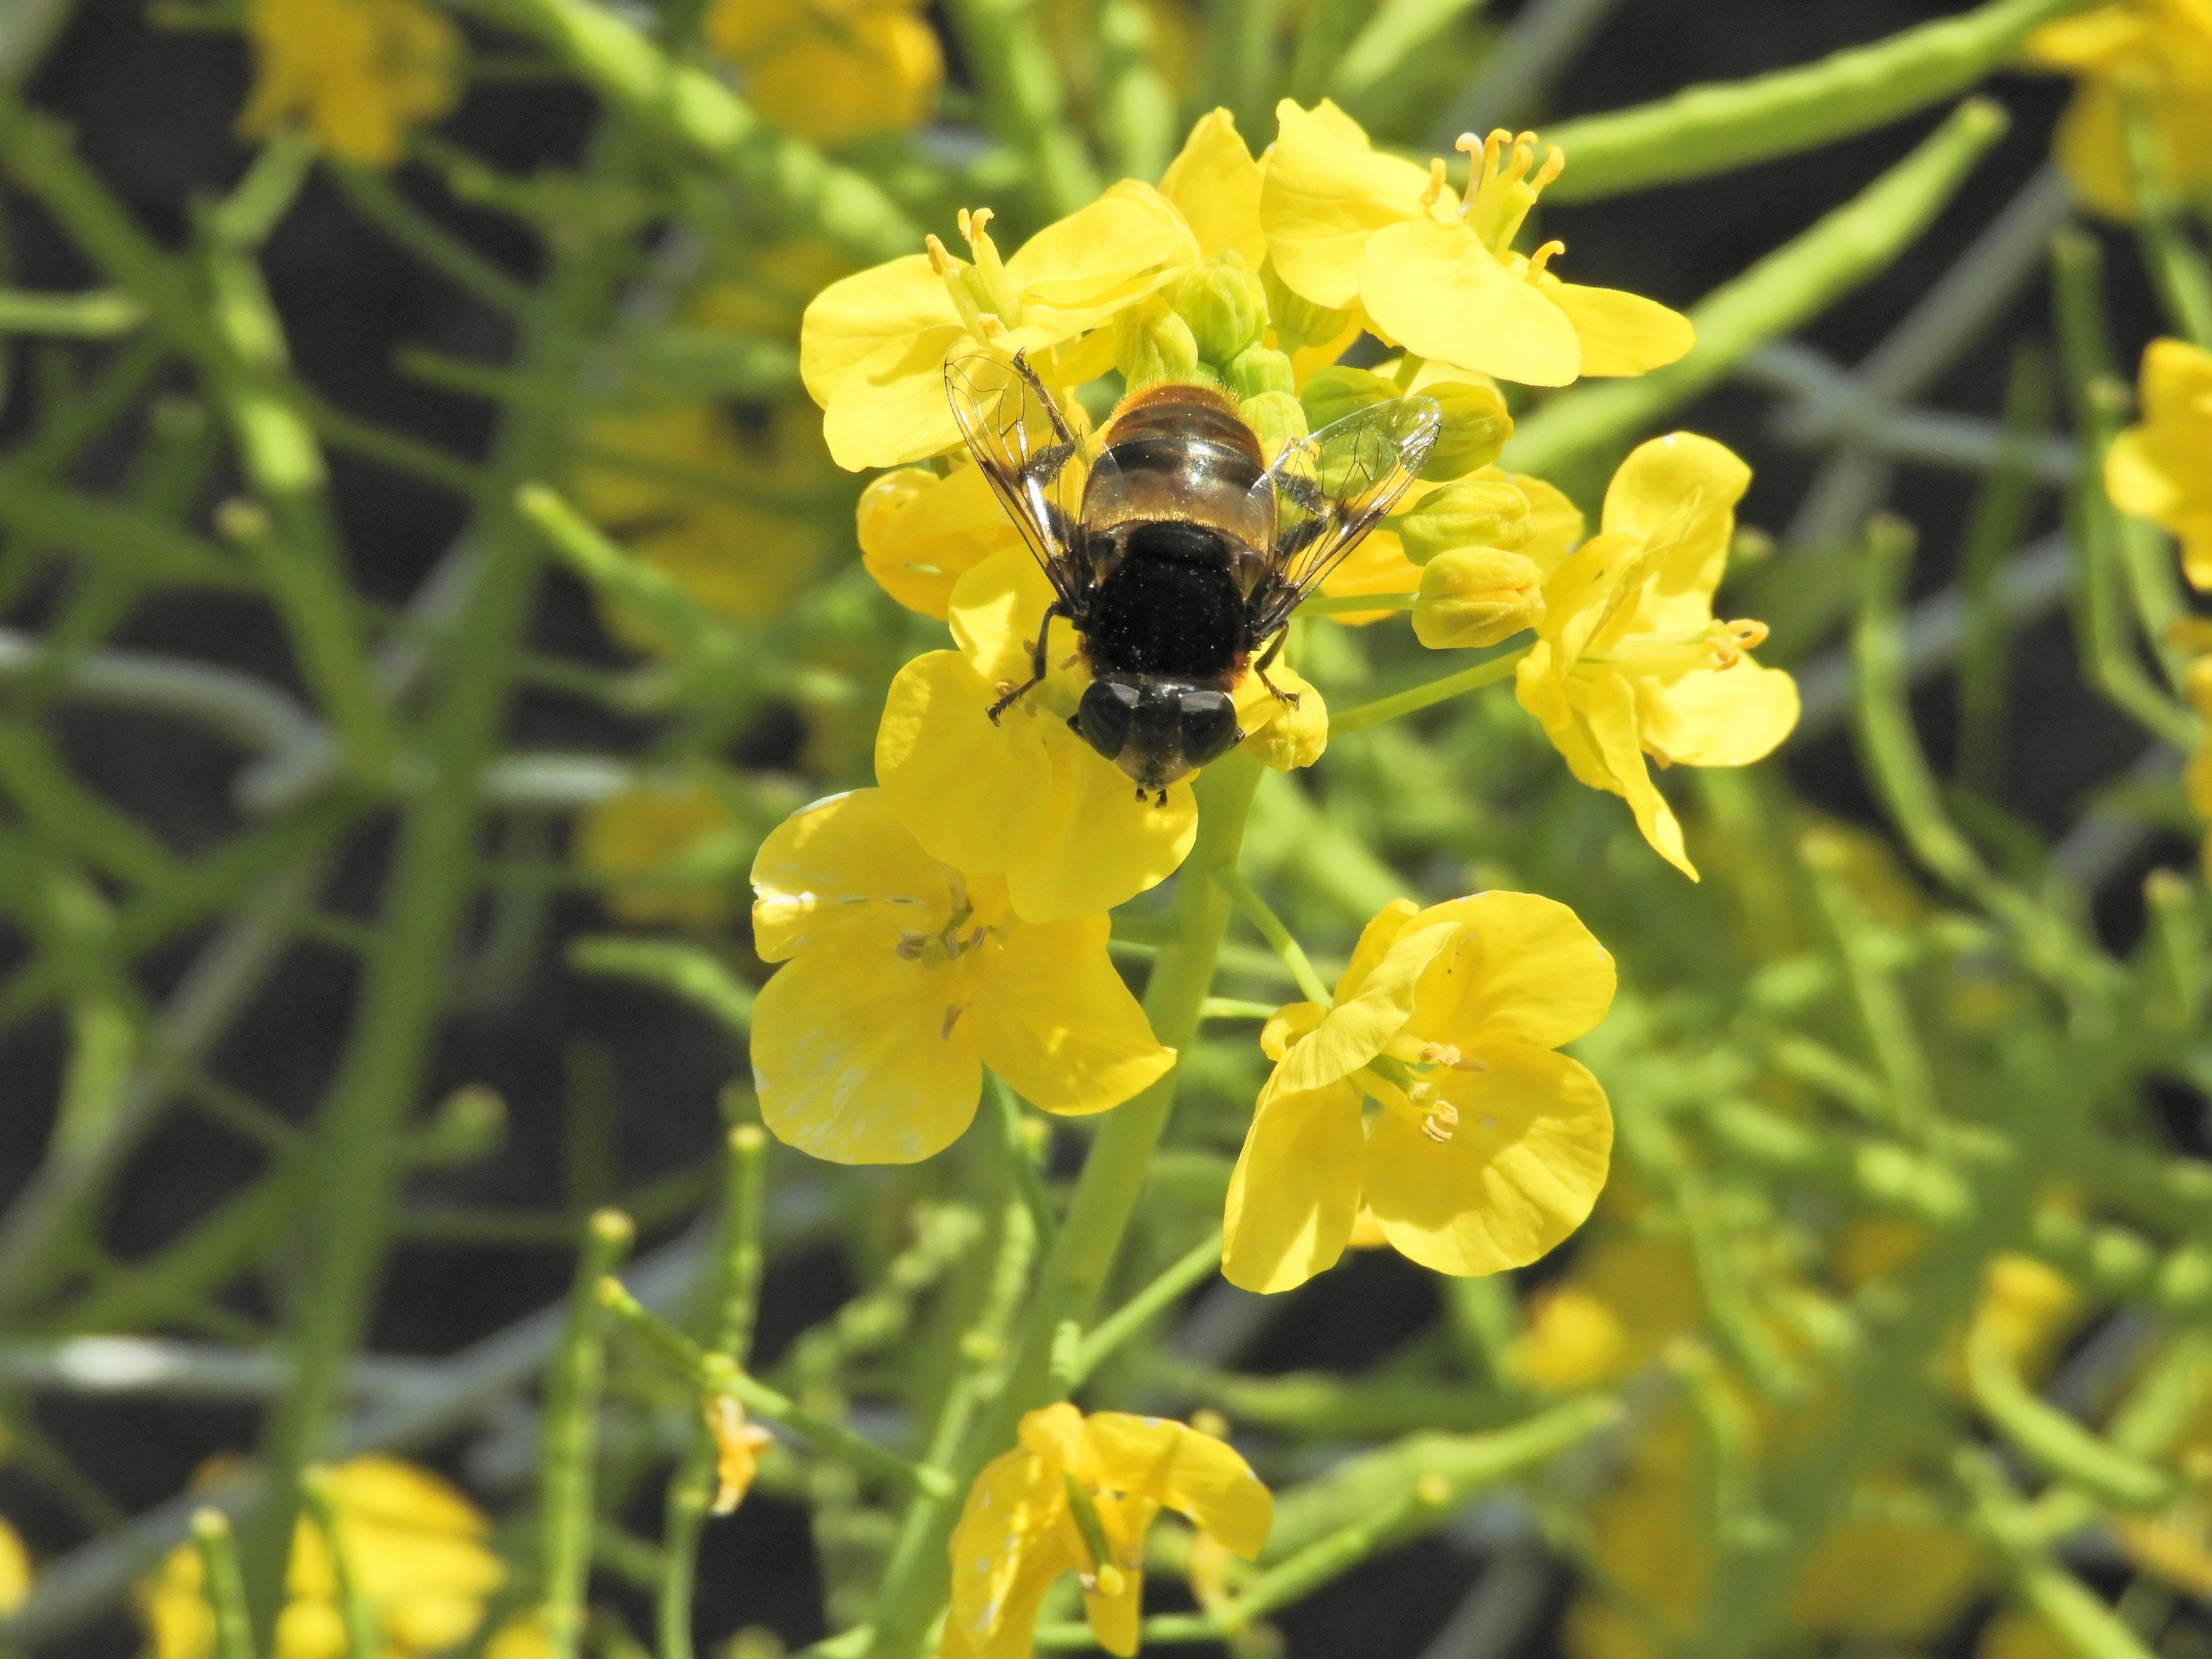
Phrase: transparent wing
{"type": "Point", "coordinates": [1030, 453]}
{"type": "Point", "coordinates": [1332, 488]}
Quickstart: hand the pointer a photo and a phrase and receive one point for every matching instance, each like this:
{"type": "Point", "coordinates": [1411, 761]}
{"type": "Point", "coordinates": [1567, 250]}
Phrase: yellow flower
{"type": "Point", "coordinates": [1621, 1302]}
{"type": "Point", "coordinates": [1026, 798]}
{"type": "Point", "coordinates": [2016, 1634]}
{"type": "Point", "coordinates": [1078, 1495]}
{"type": "Point", "coordinates": [14, 1570]}
{"type": "Point", "coordinates": [829, 71]}
{"type": "Point", "coordinates": [906, 978]}
{"type": "Point", "coordinates": [663, 847]}
{"type": "Point", "coordinates": [2157, 53]}
{"type": "Point", "coordinates": [358, 72]}
{"type": "Point", "coordinates": [872, 348]}
{"type": "Point", "coordinates": [1628, 660]}
{"type": "Point", "coordinates": [1489, 1148]}
{"type": "Point", "coordinates": [738, 1447]}
{"type": "Point", "coordinates": [920, 532]}
{"type": "Point", "coordinates": [1214, 184]}
{"type": "Point", "coordinates": [685, 491]}
{"type": "Point", "coordinates": [2028, 1310]}
{"type": "Point", "coordinates": [1348, 225]}
{"type": "Point", "coordinates": [417, 1548]}
{"type": "Point", "coordinates": [1894, 1572]}
{"type": "Point", "coordinates": [2161, 470]}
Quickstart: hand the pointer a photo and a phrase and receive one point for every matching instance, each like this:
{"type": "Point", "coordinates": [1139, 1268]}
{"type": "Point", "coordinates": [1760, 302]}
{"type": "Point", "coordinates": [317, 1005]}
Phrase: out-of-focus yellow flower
{"type": "Point", "coordinates": [417, 1549]}
{"type": "Point", "coordinates": [1895, 1573]}
{"type": "Point", "coordinates": [767, 294]}
{"type": "Point", "coordinates": [905, 978]}
{"type": "Point", "coordinates": [1871, 1247]}
{"type": "Point", "coordinates": [1078, 1495]}
{"type": "Point", "coordinates": [920, 532]}
{"type": "Point", "coordinates": [1657, 1557]}
{"type": "Point", "coordinates": [2154, 53]}
{"type": "Point", "coordinates": [1215, 185]}
{"type": "Point", "coordinates": [14, 1570]}
{"type": "Point", "coordinates": [661, 847]}
{"type": "Point", "coordinates": [2161, 470]}
{"type": "Point", "coordinates": [521, 1636]}
{"type": "Point", "coordinates": [1489, 1148]}
{"type": "Point", "coordinates": [872, 348]}
{"type": "Point", "coordinates": [1348, 225]}
{"type": "Point", "coordinates": [358, 73]}
{"type": "Point", "coordinates": [1621, 1302]}
{"type": "Point", "coordinates": [685, 491]}
{"type": "Point", "coordinates": [738, 1447]}
{"type": "Point", "coordinates": [2014, 1633]}
{"type": "Point", "coordinates": [830, 71]}
{"type": "Point", "coordinates": [2029, 1310]}
{"type": "Point", "coordinates": [1629, 661]}
{"type": "Point", "coordinates": [1027, 798]}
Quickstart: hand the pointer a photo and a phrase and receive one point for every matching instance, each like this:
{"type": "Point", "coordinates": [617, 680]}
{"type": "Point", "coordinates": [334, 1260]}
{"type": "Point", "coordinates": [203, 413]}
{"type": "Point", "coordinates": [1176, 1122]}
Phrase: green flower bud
{"type": "Point", "coordinates": [1225, 305]}
{"type": "Point", "coordinates": [1332, 393]}
{"type": "Point", "coordinates": [1476, 427]}
{"type": "Point", "coordinates": [1152, 342]}
{"type": "Point", "coordinates": [1259, 368]}
{"type": "Point", "coordinates": [1276, 418]}
{"type": "Point", "coordinates": [1474, 596]}
{"type": "Point", "coordinates": [1486, 511]}
{"type": "Point", "coordinates": [1298, 322]}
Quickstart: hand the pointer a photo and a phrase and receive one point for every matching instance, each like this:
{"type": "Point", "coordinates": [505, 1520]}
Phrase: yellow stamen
{"type": "Point", "coordinates": [998, 287]}
{"type": "Point", "coordinates": [1441, 1122]}
{"type": "Point", "coordinates": [1435, 192]}
{"type": "Point", "coordinates": [1505, 185]}
{"type": "Point", "coordinates": [950, 273]}
{"type": "Point", "coordinates": [1543, 255]}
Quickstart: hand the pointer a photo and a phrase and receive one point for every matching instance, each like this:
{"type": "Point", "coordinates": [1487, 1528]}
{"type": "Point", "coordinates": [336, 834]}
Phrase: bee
{"type": "Point", "coordinates": [1178, 553]}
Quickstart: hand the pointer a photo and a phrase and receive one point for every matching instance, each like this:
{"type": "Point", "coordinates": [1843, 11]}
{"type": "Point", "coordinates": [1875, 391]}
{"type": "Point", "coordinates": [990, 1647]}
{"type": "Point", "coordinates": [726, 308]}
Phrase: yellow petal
{"type": "Point", "coordinates": [1006, 1551]}
{"type": "Point", "coordinates": [1114, 1617]}
{"type": "Point", "coordinates": [1727, 717]}
{"type": "Point", "coordinates": [1377, 565]}
{"type": "Point", "coordinates": [995, 609]}
{"type": "Point", "coordinates": [1436, 290]}
{"type": "Point", "coordinates": [975, 795]}
{"type": "Point", "coordinates": [2091, 145]}
{"type": "Point", "coordinates": [1610, 716]}
{"type": "Point", "coordinates": [1076, 272]}
{"type": "Point", "coordinates": [1525, 969]}
{"type": "Point", "coordinates": [1622, 333]}
{"type": "Point", "coordinates": [14, 1570]}
{"type": "Point", "coordinates": [1358, 1028]}
{"type": "Point", "coordinates": [1284, 734]}
{"type": "Point", "coordinates": [1199, 1477]}
{"type": "Point", "coordinates": [2177, 383]}
{"type": "Point", "coordinates": [890, 408]}
{"type": "Point", "coordinates": [1296, 1189]}
{"type": "Point", "coordinates": [1326, 191]}
{"type": "Point", "coordinates": [1215, 184]}
{"type": "Point", "coordinates": [853, 318]}
{"type": "Point", "coordinates": [1288, 1024]}
{"type": "Point", "coordinates": [855, 1059]}
{"type": "Point", "coordinates": [1678, 494]}
{"type": "Point", "coordinates": [1555, 523]}
{"type": "Point", "coordinates": [1521, 1172]}
{"type": "Point", "coordinates": [1100, 843]}
{"type": "Point", "coordinates": [1376, 938]}
{"type": "Point", "coordinates": [920, 534]}
{"type": "Point", "coordinates": [1055, 1021]}
{"type": "Point", "coordinates": [844, 865]}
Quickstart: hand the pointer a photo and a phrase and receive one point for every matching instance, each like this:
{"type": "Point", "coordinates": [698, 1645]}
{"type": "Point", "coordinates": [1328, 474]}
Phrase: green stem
{"type": "Point", "coordinates": [1104, 1339]}
{"type": "Point", "coordinates": [568, 1439]}
{"type": "Point", "coordinates": [1029, 1179]}
{"type": "Point", "coordinates": [1255, 910]}
{"type": "Point", "coordinates": [226, 1585]}
{"type": "Point", "coordinates": [914, 1585]}
{"type": "Point", "coordinates": [1488, 671]}
{"type": "Point", "coordinates": [2176, 264]}
{"type": "Point", "coordinates": [98, 314]}
{"type": "Point", "coordinates": [2063, 1447]}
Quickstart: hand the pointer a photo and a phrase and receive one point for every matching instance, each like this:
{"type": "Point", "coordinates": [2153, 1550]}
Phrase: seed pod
{"type": "Point", "coordinates": [1276, 418]}
{"type": "Point", "coordinates": [1298, 322]}
{"type": "Point", "coordinates": [1152, 342]}
{"type": "Point", "coordinates": [1487, 510]}
{"type": "Point", "coordinates": [1477, 595]}
{"type": "Point", "coordinates": [1259, 368]}
{"type": "Point", "coordinates": [1330, 394]}
{"type": "Point", "coordinates": [1476, 427]}
{"type": "Point", "coordinates": [1225, 307]}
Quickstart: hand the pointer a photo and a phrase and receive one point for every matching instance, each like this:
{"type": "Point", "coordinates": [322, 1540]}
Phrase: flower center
{"type": "Point", "coordinates": [1409, 1077]}
{"type": "Point", "coordinates": [949, 943]}
{"type": "Point", "coordinates": [1504, 179]}
{"type": "Point", "coordinates": [984, 295]}
{"type": "Point", "coordinates": [1716, 645]}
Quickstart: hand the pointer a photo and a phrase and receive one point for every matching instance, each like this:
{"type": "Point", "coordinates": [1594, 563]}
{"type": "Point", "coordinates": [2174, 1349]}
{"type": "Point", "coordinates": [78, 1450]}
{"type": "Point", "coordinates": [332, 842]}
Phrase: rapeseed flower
{"type": "Point", "coordinates": [905, 977]}
{"type": "Point", "coordinates": [920, 532]}
{"type": "Point", "coordinates": [1629, 661]}
{"type": "Point", "coordinates": [14, 1570]}
{"type": "Point", "coordinates": [872, 348]}
{"type": "Point", "coordinates": [830, 71]}
{"type": "Point", "coordinates": [665, 849]}
{"type": "Point", "coordinates": [2155, 55]}
{"type": "Point", "coordinates": [1488, 1147]}
{"type": "Point", "coordinates": [1348, 225]}
{"type": "Point", "coordinates": [1621, 1300]}
{"type": "Point", "coordinates": [2161, 468]}
{"type": "Point", "coordinates": [1078, 1495]}
{"type": "Point", "coordinates": [1024, 798]}
{"type": "Point", "coordinates": [419, 1552]}
{"type": "Point", "coordinates": [357, 73]}
{"type": "Point", "coordinates": [738, 1447]}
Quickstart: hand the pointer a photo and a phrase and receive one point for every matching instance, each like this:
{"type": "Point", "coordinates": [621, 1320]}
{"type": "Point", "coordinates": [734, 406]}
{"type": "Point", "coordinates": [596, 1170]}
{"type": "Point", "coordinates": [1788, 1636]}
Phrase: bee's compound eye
{"type": "Point", "coordinates": [1208, 724]}
{"type": "Point", "coordinates": [1104, 714]}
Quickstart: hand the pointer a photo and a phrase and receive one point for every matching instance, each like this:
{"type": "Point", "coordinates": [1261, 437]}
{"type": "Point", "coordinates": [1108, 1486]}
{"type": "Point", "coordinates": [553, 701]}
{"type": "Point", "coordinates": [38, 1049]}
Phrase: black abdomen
{"type": "Point", "coordinates": [1170, 607]}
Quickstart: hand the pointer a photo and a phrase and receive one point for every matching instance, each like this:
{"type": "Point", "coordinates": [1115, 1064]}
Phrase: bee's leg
{"type": "Point", "coordinates": [1260, 669]}
{"type": "Point", "coordinates": [1037, 662]}
{"type": "Point", "coordinates": [1061, 429]}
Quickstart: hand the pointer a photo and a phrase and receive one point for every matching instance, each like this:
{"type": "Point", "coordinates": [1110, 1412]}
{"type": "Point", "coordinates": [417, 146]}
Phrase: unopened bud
{"type": "Point", "coordinates": [1152, 343]}
{"type": "Point", "coordinates": [1476, 427]}
{"type": "Point", "coordinates": [1278, 418]}
{"type": "Point", "coordinates": [1259, 368]}
{"type": "Point", "coordinates": [1473, 595]}
{"type": "Point", "coordinates": [1488, 510]}
{"type": "Point", "coordinates": [1330, 394]}
{"type": "Point", "coordinates": [1297, 320]}
{"type": "Point", "coordinates": [1225, 306]}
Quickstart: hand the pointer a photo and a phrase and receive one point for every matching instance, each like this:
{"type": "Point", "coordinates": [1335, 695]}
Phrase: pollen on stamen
{"type": "Point", "coordinates": [1441, 1122]}
{"type": "Point", "coordinates": [1434, 193]}
{"type": "Point", "coordinates": [910, 947]}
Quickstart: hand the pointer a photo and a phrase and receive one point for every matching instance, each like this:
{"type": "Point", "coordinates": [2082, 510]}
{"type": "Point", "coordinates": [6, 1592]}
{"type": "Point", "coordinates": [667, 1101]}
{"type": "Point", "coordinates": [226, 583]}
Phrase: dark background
{"type": "Point", "coordinates": [154, 111]}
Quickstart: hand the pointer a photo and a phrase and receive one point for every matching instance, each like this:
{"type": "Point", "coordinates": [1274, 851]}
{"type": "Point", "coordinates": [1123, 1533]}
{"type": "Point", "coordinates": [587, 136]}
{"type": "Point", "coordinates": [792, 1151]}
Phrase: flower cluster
{"type": "Point", "coordinates": [357, 73]}
{"type": "Point", "coordinates": [2147, 62]}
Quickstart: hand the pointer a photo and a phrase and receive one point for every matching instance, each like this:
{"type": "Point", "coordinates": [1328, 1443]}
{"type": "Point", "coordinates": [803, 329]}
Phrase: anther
{"type": "Point", "coordinates": [1439, 1053]}
{"type": "Point", "coordinates": [1441, 1122]}
{"type": "Point", "coordinates": [1543, 255]}
{"type": "Point", "coordinates": [972, 223]}
{"type": "Point", "coordinates": [910, 947]}
{"type": "Point", "coordinates": [1434, 193]}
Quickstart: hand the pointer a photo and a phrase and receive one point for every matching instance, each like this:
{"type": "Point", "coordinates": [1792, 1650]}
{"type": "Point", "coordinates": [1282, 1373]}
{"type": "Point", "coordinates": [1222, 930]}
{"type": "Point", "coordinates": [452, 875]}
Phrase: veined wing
{"type": "Point", "coordinates": [1030, 455]}
{"type": "Point", "coordinates": [1332, 488]}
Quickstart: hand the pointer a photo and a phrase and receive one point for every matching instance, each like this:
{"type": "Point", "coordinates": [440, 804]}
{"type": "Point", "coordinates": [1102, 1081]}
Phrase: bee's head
{"type": "Point", "coordinates": [1156, 731]}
